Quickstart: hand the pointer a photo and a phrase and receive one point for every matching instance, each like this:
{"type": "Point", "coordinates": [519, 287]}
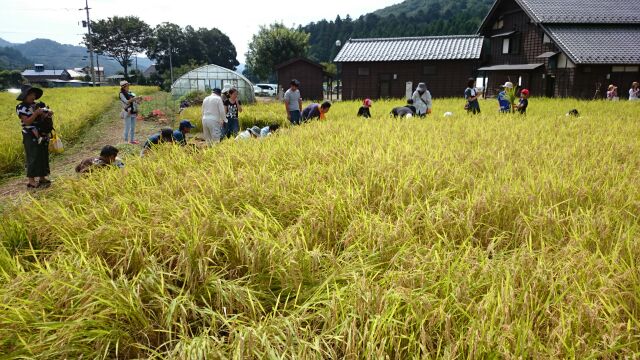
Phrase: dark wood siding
{"type": "Point", "coordinates": [443, 78]}
{"type": "Point", "coordinates": [310, 76]}
{"type": "Point", "coordinates": [579, 81]}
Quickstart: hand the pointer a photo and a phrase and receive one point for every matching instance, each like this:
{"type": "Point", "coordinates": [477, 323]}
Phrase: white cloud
{"type": "Point", "coordinates": [59, 20]}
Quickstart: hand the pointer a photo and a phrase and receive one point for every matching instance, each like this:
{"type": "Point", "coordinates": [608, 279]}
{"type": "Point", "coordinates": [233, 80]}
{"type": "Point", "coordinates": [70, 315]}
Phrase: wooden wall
{"type": "Point", "coordinates": [388, 79]}
{"type": "Point", "coordinates": [311, 79]}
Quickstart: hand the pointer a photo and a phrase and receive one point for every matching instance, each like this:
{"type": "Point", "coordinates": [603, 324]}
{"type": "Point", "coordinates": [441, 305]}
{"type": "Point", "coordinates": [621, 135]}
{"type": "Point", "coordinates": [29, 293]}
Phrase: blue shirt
{"type": "Point", "coordinates": [505, 105]}
{"type": "Point", "coordinates": [265, 132]}
{"type": "Point", "coordinates": [179, 137]}
{"type": "Point", "coordinates": [153, 139]}
{"type": "Point", "coordinates": [311, 112]}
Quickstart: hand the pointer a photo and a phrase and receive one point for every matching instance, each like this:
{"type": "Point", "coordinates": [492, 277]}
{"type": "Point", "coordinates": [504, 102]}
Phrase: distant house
{"type": "Point", "coordinates": [309, 73]}
{"type": "Point", "coordinates": [392, 67]}
{"type": "Point", "coordinates": [568, 48]}
{"type": "Point", "coordinates": [151, 70]}
{"type": "Point", "coordinates": [39, 76]}
{"type": "Point", "coordinates": [98, 70]}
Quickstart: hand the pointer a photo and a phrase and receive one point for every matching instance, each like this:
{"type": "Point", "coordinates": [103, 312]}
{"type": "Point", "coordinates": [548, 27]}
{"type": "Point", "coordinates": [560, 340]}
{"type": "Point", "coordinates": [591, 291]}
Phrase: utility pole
{"type": "Point", "coordinates": [170, 62]}
{"type": "Point", "coordinates": [90, 42]}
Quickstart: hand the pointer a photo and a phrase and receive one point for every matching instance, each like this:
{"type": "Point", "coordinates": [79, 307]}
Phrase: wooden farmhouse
{"type": "Point", "coordinates": [392, 67]}
{"type": "Point", "coordinates": [563, 48]}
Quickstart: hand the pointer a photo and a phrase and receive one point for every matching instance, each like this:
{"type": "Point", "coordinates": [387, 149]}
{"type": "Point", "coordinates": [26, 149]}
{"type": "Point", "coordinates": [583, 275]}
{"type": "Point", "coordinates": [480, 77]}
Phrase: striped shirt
{"type": "Point", "coordinates": [25, 110]}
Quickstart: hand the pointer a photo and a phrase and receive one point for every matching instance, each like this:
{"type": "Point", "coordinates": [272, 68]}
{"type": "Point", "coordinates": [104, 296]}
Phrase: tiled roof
{"type": "Point", "coordinates": [411, 49]}
{"type": "Point", "coordinates": [509, 67]}
{"type": "Point", "coordinates": [592, 44]}
{"type": "Point", "coordinates": [42, 73]}
{"type": "Point", "coordinates": [583, 11]}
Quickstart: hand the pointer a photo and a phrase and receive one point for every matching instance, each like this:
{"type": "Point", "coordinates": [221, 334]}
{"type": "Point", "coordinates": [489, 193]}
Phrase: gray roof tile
{"type": "Point", "coordinates": [583, 11]}
{"type": "Point", "coordinates": [592, 44]}
{"type": "Point", "coordinates": [411, 49]}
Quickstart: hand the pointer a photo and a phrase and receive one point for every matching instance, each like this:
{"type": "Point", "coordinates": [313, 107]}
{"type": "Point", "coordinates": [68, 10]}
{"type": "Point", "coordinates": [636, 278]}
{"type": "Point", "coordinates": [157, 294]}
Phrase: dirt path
{"type": "Point", "coordinates": [107, 130]}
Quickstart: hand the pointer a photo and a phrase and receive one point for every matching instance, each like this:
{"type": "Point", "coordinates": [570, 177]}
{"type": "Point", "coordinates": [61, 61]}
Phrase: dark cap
{"type": "Point", "coordinates": [217, 91]}
{"type": "Point", "coordinates": [186, 124]}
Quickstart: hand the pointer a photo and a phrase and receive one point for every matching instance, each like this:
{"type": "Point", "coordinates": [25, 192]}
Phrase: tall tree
{"type": "Point", "coordinates": [120, 38]}
{"type": "Point", "coordinates": [274, 45]}
{"type": "Point", "coordinates": [166, 38]}
{"type": "Point", "coordinates": [188, 45]}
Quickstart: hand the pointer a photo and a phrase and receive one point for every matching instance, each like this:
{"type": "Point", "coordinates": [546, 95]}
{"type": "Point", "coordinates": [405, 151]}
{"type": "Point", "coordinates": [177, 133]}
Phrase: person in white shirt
{"type": "Point", "coordinates": [422, 100]}
{"type": "Point", "coordinates": [213, 117]}
{"type": "Point", "coordinates": [634, 92]}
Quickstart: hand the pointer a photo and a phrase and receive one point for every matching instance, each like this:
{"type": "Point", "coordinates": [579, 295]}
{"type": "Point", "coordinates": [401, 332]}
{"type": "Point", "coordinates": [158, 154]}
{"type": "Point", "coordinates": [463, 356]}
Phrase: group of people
{"type": "Point", "coordinates": [471, 95]}
{"type": "Point", "coordinates": [220, 116]}
{"type": "Point", "coordinates": [293, 106]}
{"type": "Point", "coordinates": [220, 120]}
{"type": "Point", "coordinates": [634, 92]}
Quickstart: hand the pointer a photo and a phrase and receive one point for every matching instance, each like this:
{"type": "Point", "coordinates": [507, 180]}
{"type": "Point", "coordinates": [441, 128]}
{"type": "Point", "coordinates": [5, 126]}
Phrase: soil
{"type": "Point", "coordinates": [107, 130]}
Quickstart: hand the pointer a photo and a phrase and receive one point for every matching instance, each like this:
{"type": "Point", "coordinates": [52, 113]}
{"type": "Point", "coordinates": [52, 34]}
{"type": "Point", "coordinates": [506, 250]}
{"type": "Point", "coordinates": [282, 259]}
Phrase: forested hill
{"type": "Point", "coordinates": [409, 18]}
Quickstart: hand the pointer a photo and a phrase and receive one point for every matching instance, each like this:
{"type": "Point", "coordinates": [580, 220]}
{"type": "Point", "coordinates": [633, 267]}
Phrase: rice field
{"type": "Point", "coordinates": [495, 236]}
{"type": "Point", "coordinates": [74, 110]}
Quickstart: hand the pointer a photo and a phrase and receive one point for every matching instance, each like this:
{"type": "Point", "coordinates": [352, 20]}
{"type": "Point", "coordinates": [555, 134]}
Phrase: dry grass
{"type": "Point", "coordinates": [463, 237]}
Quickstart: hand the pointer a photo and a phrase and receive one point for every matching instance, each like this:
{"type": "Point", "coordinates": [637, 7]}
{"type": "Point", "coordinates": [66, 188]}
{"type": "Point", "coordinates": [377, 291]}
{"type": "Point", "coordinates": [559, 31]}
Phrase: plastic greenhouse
{"type": "Point", "coordinates": [210, 77]}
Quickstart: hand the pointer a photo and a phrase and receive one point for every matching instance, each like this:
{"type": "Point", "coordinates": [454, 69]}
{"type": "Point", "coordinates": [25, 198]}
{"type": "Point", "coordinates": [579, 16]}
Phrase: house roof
{"type": "Point", "coordinates": [464, 47]}
{"type": "Point", "coordinates": [582, 11]}
{"type": "Point", "coordinates": [55, 73]}
{"type": "Point", "coordinates": [150, 70]}
{"type": "Point", "coordinates": [575, 11]}
{"type": "Point", "coordinates": [597, 44]}
{"type": "Point", "coordinates": [295, 60]}
{"type": "Point", "coordinates": [509, 67]}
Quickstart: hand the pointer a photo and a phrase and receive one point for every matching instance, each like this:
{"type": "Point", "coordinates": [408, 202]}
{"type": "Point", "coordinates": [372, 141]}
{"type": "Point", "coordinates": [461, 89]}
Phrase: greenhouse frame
{"type": "Point", "coordinates": [209, 77]}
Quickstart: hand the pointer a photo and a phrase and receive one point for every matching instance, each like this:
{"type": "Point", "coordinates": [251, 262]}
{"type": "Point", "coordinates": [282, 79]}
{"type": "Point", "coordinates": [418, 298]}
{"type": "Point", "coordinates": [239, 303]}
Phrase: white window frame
{"type": "Point", "coordinates": [506, 45]}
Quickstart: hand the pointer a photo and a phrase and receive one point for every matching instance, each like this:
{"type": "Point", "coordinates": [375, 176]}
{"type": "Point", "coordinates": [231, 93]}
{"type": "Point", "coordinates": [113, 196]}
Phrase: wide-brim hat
{"type": "Point", "coordinates": [26, 89]}
{"type": "Point", "coordinates": [508, 85]}
{"type": "Point", "coordinates": [422, 87]}
{"type": "Point", "coordinates": [255, 131]}
{"type": "Point", "coordinates": [124, 83]}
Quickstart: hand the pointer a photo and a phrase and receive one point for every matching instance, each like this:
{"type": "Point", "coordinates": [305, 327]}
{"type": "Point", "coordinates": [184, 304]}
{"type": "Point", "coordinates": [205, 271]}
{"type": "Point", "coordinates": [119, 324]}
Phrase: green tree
{"type": "Point", "coordinates": [120, 38]}
{"type": "Point", "coordinates": [10, 79]}
{"type": "Point", "coordinates": [274, 45]}
{"type": "Point", "coordinates": [188, 45]}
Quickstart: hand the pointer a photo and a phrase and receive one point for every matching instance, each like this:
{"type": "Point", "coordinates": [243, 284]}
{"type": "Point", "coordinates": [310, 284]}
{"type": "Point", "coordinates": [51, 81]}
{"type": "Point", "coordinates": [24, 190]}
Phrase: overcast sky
{"type": "Point", "coordinates": [22, 20]}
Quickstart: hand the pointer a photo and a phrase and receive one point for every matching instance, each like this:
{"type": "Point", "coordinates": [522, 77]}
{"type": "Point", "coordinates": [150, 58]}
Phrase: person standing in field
{"type": "Point", "coordinates": [422, 100]}
{"type": "Point", "coordinates": [233, 108]}
{"type": "Point", "coordinates": [612, 93]}
{"type": "Point", "coordinates": [293, 103]}
{"type": "Point", "coordinates": [634, 92]}
{"type": "Point", "coordinates": [524, 102]}
{"type": "Point", "coordinates": [365, 109]}
{"type": "Point", "coordinates": [213, 117]}
{"type": "Point", "coordinates": [503, 101]}
{"type": "Point", "coordinates": [37, 153]}
{"type": "Point", "coordinates": [129, 112]}
{"type": "Point", "coordinates": [316, 111]}
{"type": "Point", "coordinates": [471, 95]}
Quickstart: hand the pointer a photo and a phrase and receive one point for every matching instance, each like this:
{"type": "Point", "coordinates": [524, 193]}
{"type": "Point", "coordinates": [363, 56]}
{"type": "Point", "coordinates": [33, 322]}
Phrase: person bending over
{"type": "Point", "coordinates": [404, 111]}
{"type": "Point", "coordinates": [316, 111]}
{"type": "Point", "coordinates": [180, 135]}
{"type": "Point", "coordinates": [365, 109]}
{"type": "Point", "coordinates": [108, 157]}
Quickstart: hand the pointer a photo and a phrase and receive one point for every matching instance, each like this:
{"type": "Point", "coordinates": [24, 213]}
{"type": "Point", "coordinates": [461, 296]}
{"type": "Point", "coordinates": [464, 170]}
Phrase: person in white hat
{"type": "Point", "coordinates": [422, 100]}
{"type": "Point", "coordinates": [129, 112]}
{"type": "Point", "coordinates": [503, 100]}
